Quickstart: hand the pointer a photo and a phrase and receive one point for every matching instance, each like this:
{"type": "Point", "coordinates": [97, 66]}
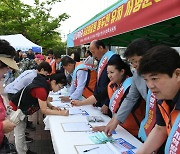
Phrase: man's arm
{"type": "Point", "coordinates": [155, 139]}
{"type": "Point", "coordinates": [128, 103]}
{"type": "Point", "coordinates": [89, 101]}
{"type": "Point", "coordinates": [81, 82]}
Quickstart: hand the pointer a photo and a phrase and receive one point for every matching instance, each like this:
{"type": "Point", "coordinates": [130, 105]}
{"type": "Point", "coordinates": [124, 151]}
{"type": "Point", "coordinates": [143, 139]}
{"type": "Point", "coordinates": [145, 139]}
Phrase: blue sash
{"type": "Point", "coordinates": [103, 62]}
{"type": "Point", "coordinates": [172, 144]}
{"type": "Point", "coordinates": [80, 66]}
{"type": "Point", "coordinates": [149, 121]}
{"type": "Point", "coordinates": [118, 94]}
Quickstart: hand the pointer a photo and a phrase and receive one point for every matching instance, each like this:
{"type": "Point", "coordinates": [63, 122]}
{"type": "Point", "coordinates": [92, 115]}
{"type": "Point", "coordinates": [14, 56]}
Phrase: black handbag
{"type": "Point", "coordinates": [6, 147]}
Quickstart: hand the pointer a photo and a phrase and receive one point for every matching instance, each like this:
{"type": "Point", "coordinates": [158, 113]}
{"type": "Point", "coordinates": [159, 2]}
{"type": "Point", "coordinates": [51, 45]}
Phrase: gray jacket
{"type": "Point", "coordinates": [138, 88]}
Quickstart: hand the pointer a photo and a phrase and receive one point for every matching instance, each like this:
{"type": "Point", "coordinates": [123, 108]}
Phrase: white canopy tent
{"type": "Point", "coordinates": [19, 42]}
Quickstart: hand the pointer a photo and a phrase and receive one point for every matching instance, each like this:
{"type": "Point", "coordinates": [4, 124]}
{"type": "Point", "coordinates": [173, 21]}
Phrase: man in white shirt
{"type": "Point", "coordinates": [79, 78]}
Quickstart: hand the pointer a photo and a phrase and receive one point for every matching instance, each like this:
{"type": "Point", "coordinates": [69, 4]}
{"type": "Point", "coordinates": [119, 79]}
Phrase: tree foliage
{"type": "Point", "coordinates": [34, 22]}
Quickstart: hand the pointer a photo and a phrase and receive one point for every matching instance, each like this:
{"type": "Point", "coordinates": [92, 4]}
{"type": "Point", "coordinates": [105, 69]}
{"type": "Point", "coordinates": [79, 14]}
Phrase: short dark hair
{"type": "Point", "coordinates": [6, 49]}
{"type": "Point", "coordinates": [76, 56]}
{"type": "Point", "coordinates": [160, 59]}
{"type": "Point", "coordinates": [67, 60]}
{"type": "Point", "coordinates": [57, 55]}
{"type": "Point", "coordinates": [45, 66]}
{"type": "Point", "coordinates": [137, 47]}
{"type": "Point", "coordinates": [99, 43]}
{"type": "Point", "coordinates": [59, 78]}
{"type": "Point", "coordinates": [120, 64]}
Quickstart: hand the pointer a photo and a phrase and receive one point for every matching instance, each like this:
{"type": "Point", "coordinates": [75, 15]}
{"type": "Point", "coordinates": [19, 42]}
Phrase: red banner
{"type": "Point", "coordinates": [129, 16]}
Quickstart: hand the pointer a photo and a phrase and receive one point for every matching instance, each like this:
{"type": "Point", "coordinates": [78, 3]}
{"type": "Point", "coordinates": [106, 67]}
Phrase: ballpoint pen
{"type": "Point", "coordinates": [90, 149]}
{"type": "Point", "coordinates": [90, 125]}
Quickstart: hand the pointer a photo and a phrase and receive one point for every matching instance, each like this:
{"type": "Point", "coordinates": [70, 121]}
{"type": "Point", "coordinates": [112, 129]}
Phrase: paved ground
{"type": "Point", "coordinates": [42, 140]}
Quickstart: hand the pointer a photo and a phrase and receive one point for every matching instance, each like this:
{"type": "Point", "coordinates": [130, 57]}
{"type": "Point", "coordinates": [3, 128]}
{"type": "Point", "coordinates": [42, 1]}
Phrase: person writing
{"type": "Point", "coordinates": [81, 79]}
{"type": "Point", "coordinates": [160, 68]}
{"type": "Point", "coordinates": [34, 97]}
{"type": "Point", "coordinates": [103, 55]}
{"type": "Point", "coordinates": [25, 79]}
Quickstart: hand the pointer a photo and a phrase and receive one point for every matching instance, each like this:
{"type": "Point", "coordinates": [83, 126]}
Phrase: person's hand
{"type": "Point", "coordinates": [49, 99]}
{"type": "Point", "coordinates": [111, 127]}
{"type": "Point", "coordinates": [76, 103]}
{"type": "Point", "coordinates": [64, 98]}
{"type": "Point", "coordinates": [99, 128]}
{"type": "Point", "coordinates": [8, 126]}
{"type": "Point", "coordinates": [64, 112]}
{"type": "Point", "coordinates": [55, 108]}
{"type": "Point", "coordinates": [104, 109]}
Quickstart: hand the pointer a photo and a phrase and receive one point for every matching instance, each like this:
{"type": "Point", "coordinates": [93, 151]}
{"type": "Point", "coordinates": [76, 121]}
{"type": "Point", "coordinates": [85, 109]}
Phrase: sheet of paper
{"type": "Point", "coordinates": [74, 111]}
{"type": "Point", "coordinates": [76, 127]}
{"type": "Point", "coordinates": [64, 106]}
{"type": "Point", "coordinates": [118, 149]}
{"type": "Point", "coordinates": [121, 141]}
{"type": "Point", "coordinates": [56, 98]}
{"type": "Point", "coordinates": [101, 149]}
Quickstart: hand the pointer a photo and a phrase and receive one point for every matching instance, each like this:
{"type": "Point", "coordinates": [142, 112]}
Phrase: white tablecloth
{"type": "Point", "coordinates": [63, 142]}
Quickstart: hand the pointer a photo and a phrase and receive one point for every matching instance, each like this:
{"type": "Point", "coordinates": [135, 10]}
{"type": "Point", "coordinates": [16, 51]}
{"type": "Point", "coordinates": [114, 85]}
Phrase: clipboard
{"type": "Point", "coordinates": [107, 148]}
{"type": "Point", "coordinates": [96, 149]}
{"type": "Point", "coordinates": [76, 127]}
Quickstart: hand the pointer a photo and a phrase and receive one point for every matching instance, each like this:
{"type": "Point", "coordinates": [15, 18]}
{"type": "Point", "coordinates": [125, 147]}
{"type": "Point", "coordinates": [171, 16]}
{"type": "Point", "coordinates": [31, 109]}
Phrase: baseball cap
{"type": "Point", "coordinates": [9, 61]}
{"type": "Point", "coordinates": [39, 56]}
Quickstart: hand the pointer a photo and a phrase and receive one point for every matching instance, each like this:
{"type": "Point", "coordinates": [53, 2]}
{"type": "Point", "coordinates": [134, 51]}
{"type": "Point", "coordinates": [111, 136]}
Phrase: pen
{"type": "Point", "coordinates": [90, 149]}
{"type": "Point", "coordinates": [90, 125]}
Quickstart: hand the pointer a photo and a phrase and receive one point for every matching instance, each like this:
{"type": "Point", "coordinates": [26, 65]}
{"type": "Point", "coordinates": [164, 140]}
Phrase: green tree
{"type": "Point", "coordinates": [34, 22]}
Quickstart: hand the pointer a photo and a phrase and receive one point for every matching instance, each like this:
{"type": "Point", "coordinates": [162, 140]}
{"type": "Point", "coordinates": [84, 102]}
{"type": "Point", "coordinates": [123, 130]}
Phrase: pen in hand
{"type": "Point", "coordinates": [90, 149]}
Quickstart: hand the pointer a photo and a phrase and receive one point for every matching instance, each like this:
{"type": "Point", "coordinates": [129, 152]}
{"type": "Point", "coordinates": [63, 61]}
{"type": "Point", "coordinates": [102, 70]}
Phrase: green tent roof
{"type": "Point", "coordinates": [159, 22]}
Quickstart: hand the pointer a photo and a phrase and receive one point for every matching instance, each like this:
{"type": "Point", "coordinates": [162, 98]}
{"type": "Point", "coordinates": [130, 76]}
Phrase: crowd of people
{"type": "Point", "coordinates": [144, 102]}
